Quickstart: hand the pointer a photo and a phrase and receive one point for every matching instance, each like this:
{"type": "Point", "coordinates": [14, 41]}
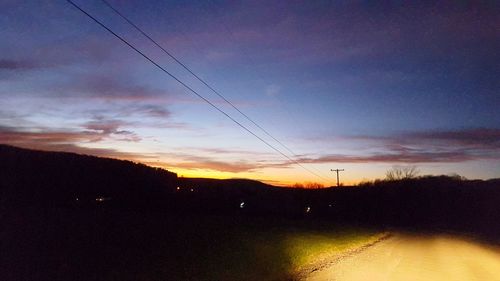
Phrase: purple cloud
{"type": "Point", "coordinates": [397, 157]}
{"type": "Point", "coordinates": [107, 87]}
{"type": "Point", "coordinates": [94, 131]}
{"type": "Point", "coordinates": [151, 110]}
{"type": "Point", "coordinates": [62, 141]}
{"type": "Point", "coordinates": [451, 146]}
{"type": "Point", "coordinates": [110, 129]}
{"type": "Point", "coordinates": [9, 64]}
{"type": "Point", "coordinates": [232, 167]}
{"type": "Point", "coordinates": [479, 138]}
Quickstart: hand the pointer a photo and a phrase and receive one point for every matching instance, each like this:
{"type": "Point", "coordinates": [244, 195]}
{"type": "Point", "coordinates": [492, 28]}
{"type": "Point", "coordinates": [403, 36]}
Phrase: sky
{"type": "Point", "coordinates": [353, 85]}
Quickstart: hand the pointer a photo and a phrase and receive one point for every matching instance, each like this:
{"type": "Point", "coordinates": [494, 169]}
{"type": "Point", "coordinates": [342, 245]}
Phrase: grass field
{"type": "Point", "coordinates": [112, 245]}
{"type": "Point", "coordinates": [259, 249]}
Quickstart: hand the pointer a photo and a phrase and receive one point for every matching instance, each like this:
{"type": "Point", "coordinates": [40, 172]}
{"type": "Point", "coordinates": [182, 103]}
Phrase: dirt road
{"type": "Point", "coordinates": [412, 258]}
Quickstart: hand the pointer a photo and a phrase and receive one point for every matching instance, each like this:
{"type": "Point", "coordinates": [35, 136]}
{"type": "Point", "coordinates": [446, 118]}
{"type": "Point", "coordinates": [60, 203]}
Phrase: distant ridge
{"type": "Point", "coordinates": [430, 203]}
{"type": "Point", "coordinates": [38, 177]}
{"type": "Point", "coordinates": [41, 177]}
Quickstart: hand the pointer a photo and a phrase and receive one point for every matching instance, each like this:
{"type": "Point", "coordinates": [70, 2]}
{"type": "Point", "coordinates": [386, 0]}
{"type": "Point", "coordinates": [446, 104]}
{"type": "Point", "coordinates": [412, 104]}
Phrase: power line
{"type": "Point", "coordinates": [198, 77]}
{"type": "Point", "coordinates": [249, 57]}
{"type": "Point", "coordinates": [186, 86]}
{"type": "Point", "coordinates": [194, 74]}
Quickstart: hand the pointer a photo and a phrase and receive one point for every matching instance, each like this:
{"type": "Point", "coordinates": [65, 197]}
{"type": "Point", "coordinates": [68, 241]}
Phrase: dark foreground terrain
{"type": "Point", "coordinates": [71, 217]}
{"type": "Point", "coordinates": [107, 244]}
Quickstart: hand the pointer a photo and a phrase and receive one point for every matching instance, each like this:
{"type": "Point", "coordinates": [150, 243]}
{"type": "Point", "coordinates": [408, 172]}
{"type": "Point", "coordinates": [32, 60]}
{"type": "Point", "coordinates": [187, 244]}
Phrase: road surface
{"type": "Point", "coordinates": [412, 258]}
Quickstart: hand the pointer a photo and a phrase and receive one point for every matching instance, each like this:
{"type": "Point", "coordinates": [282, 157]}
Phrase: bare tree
{"type": "Point", "coordinates": [401, 173]}
{"type": "Point", "coordinates": [308, 185]}
{"type": "Point", "coordinates": [313, 185]}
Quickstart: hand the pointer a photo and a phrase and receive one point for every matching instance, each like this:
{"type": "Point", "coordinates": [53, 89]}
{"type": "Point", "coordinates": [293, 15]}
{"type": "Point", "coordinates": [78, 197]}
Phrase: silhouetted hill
{"type": "Point", "coordinates": [59, 178]}
{"type": "Point", "coordinates": [68, 179]}
{"type": "Point", "coordinates": [430, 202]}
{"type": "Point", "coordinates": [229, 185]}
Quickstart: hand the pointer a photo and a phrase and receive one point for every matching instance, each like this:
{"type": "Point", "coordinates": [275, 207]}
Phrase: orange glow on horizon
{"type": "Point", "coordinates": [274, 178]}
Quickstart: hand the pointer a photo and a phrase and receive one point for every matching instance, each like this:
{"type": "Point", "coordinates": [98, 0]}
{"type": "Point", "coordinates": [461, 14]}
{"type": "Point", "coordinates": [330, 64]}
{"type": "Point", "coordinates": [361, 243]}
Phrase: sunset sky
{"type": "Point", "coordinates": [343, 84]}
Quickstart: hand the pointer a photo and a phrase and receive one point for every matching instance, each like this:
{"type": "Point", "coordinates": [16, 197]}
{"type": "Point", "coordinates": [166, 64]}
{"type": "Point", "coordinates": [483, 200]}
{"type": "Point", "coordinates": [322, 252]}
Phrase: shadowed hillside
{"type": "Point", "coordinates": [56, 178]}
{"type": "Point", "coordinates": [77, 217]}
{"type": "Point", "coordinates": [423, 203]}
{"type": "Point", "coordinates": [145, 228]}
{"type": "Point", "coordinates": [42, 178]}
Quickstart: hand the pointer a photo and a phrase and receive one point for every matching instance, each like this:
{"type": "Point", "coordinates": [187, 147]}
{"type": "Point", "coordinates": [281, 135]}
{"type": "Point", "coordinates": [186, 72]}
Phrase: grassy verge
{"type": "Point", "coordinates": [112, 245]}
{"type": "Point", "coordinates": [221, 248]}
{"type": "Point", "coordinates": [308, 248]}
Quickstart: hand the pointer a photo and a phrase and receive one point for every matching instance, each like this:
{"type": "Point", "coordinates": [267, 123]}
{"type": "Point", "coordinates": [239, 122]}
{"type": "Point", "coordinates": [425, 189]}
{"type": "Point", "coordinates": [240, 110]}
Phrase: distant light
{"type": "Point", "coordinates": [308, 209]}
{"type": "Point", "coordinates": [102, 199]}
{"type": "Point", "coordinates": [192, 190]}
{"type": "Point", "coordinates": [178, 188]}
{"type": "Point", "coordinates": [330, 205]}
{"type": "Point", "coordinates": [76, 198]}
{"type": "Point", "coordinates": [242, 205]}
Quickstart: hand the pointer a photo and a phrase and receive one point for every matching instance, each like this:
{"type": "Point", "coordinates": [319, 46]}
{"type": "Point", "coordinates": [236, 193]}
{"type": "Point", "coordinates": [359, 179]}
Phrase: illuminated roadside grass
{"type": "Point", "coordinates": [261, 251]}
{"type": "Point", "coordinates": [298, 247]}
{"type": "Point", "coordinates": [308, 248]}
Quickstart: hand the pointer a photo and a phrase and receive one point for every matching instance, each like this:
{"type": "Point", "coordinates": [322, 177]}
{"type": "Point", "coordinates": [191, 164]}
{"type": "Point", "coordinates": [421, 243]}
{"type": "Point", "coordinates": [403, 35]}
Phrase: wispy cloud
{"type": "Point", "coordinates": [396, 157]}
{"type": "Point", "coordinates": [232, 167]}
{"type": "Point", "coordinates": [417, 147]}
{"type": "Point", "coordinates": [110, 129]}
{"type": "Point", "coordinates": [96, 130]}
{"type": "Point", "coordinates": [9, 64]}
{"type": "Point", "coordinates": [89, 48]}
{"type": "Point", "coordinates": [478, 138]}
{"type": "Point", "coordinates": [435, 146]}
{"type": "Point", "coordinates": [47, 137]}
{"type": "Point", "coordinates": [472, 138]}
{"type": "Point", "coordinates": [64, 141]}
{"type": "Point", "coordinates": [107, 87]}
{"type": "Point", "coordinates": [231, 161]}
{"type": "Point", "coordinates": [101, 129]}
{"type": "Point", "coordinates": [228, 151]}
{"type": "Point", "coordinates": [151, 110]}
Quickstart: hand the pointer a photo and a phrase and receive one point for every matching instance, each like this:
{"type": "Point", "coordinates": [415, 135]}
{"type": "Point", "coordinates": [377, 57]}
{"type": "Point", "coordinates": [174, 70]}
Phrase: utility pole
{"type": "Point", "coordinates": [337, 170]}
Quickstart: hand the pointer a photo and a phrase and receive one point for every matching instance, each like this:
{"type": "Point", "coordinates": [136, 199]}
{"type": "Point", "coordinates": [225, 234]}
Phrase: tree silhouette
{"type": "Point", "coordinates": [401, 173]}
